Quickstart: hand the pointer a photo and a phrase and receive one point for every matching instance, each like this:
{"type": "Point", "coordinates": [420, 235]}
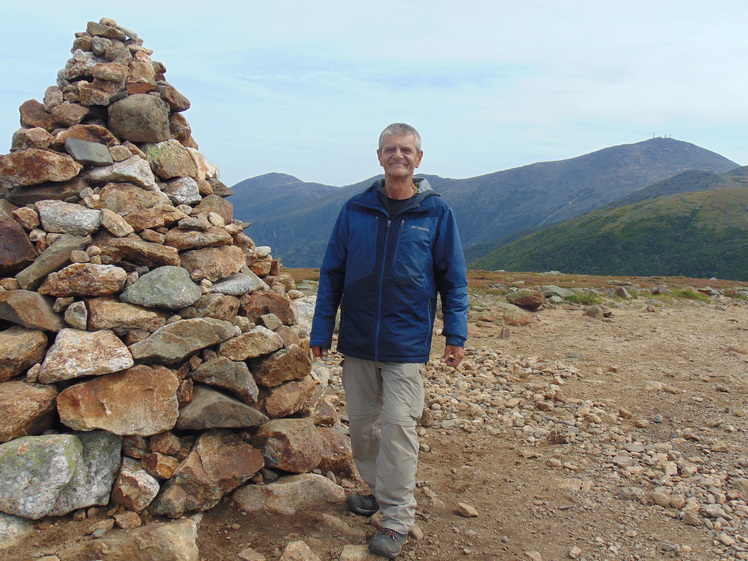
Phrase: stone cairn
{"type": "Point", "coordinates": [151, 358]}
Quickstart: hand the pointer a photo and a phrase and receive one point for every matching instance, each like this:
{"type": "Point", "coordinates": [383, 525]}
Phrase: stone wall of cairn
{"type": "Point", "coordinates": [150, 354]}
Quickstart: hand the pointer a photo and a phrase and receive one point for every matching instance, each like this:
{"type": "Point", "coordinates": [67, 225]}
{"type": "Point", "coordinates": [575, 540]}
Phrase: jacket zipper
{"type": "Point", "coordinates": [380, 289]}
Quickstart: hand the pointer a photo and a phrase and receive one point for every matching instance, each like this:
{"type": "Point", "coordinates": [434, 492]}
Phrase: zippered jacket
{"type": "Point", "coordinates": [385, 273]}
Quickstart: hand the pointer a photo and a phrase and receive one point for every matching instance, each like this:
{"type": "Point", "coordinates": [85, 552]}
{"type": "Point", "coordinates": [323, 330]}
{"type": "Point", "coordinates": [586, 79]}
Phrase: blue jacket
{"type": "Point", "coordinates": [385, 273]}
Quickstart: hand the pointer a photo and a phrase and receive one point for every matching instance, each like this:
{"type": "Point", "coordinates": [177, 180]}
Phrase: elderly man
{"type": "Point", "coordinates": [393, 249]}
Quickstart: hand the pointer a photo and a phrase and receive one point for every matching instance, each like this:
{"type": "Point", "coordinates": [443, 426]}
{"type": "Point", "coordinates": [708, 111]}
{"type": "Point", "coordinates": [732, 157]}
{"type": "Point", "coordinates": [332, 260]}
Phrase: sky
{"type": "Point", "coordinates": [305, 88]}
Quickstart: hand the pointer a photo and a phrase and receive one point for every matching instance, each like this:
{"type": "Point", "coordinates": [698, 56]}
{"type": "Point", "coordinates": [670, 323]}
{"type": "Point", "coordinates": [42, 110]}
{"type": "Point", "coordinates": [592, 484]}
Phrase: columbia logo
{"type": "Point", "coordinates": [420, 228]}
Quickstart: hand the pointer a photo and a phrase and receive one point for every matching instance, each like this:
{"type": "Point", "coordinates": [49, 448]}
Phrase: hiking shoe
{"type": "Point", "coordinates": [388, 543]}
{"type": "Point", "coordinates": [363, 505]}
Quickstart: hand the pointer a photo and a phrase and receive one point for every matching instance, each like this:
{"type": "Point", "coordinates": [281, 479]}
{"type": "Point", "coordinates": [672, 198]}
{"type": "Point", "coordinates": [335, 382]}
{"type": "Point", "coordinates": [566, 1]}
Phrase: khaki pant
{"type": "Point", "coordinates": [384, 402]}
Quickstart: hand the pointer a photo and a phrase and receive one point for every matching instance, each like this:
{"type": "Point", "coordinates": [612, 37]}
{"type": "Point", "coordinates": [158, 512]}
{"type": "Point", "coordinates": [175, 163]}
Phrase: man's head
{"type": "Point", "coordinates": [401, 129]}
{"type": "Point", "coordinates": [399, 151]}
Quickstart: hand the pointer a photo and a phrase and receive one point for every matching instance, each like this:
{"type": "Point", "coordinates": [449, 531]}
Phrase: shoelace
{"type": "Point", "coordinates": [391, 533]}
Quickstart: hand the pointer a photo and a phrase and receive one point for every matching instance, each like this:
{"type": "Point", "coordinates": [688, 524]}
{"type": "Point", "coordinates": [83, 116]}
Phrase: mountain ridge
{"type": "Point", "coordinates": [296, 217]}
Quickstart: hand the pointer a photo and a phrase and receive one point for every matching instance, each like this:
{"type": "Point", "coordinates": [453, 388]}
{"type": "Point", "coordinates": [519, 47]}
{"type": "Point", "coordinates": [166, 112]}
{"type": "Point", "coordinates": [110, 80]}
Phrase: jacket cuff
{"type": "Point", "coordinates": [456, 341]}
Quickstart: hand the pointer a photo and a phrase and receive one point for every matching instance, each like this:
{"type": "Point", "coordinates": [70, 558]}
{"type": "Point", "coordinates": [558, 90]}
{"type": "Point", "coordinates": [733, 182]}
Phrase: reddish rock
{"type": "Point", "coordinates": [33, 166]}
{"type": "Point", "coordinates": [262, 302]}
{"type": "Point", "coordinates": [110, 313]}
{"type": "Point", "coordinates": [289, 363]}
{"type": "Point", "coordinates": [35, 137]}
{"type": "Point", "coordinates": [139, 401]}
{"type": "Point", "coordinates": [219, 306]}
{"type": "Point", "coordinates": [124, 198]}
{"type": "Point", "coordinates": [213, 263]}
{"type": "Point", "coordinates": [337, 455]}
{"type": "Point", "coordinates": [141, 252]}
{"type": "Point", "coordinates": [90, 133]}
{"type": "Point", "coordinates": [527, 299]}
{"type": "Point", "coordinates": [30, 310]}
{"type": "Point", "coordinates": [20, 349]}
{"type": "Point", "coordinates": [33, 114]}
{"type": "Point", "coordinates": [288, 398]}
{"type": "Point", "coordinates": [160, 466]}
{"type": "Point", "coordinates": [85, 279]}
{"type": "Point", "coordinates": [254, 343]}
{"type": "Point", "coordinates": [134, 487]}
{"type": "Point", "coordinates": [219, 205]}
{"type": "Point", "coordinates": [218, 463]}
{"type": "Point", "coordinates": [154, 217]}
{"type": "Point", "coordinates": [292, 445]}
{"type": "Point", "coordinates": [16, 250]}
{"type": "Point", "coordinates": [28, 409]}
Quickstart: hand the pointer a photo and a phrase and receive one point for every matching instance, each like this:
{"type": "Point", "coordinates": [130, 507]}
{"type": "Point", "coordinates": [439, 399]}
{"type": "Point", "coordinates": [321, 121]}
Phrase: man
{"type": "Point", "coordinates": [393, 248]}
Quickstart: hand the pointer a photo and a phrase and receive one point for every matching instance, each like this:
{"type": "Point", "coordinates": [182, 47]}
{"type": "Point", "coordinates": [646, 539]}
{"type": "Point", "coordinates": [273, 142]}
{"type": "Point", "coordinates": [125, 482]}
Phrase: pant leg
{"type": "Point", "coordinates": [363, 396]}
{"type": "Point", "coordinates": [403, 397]}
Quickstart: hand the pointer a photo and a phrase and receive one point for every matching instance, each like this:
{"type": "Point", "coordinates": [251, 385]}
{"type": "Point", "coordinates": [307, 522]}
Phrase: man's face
{"type": "Point", "coordinates": [398, 155]}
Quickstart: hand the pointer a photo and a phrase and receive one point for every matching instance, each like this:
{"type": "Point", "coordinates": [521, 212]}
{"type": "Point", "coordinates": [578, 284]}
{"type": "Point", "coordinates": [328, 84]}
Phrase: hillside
{"type": "Point", "coordinates": [698, 234]}
{"type": "Point", "coordinates": [295, 218]}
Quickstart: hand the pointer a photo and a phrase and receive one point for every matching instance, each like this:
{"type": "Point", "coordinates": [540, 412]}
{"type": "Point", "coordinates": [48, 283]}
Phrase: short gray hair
{"type": "Point", "coordinates": [401, 129]}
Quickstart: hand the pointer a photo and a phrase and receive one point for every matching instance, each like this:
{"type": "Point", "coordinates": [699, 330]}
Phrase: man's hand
{"type": "Point", "coordinates": [319, 352]}
{"type": "Point", "coordinates": [453, 355]}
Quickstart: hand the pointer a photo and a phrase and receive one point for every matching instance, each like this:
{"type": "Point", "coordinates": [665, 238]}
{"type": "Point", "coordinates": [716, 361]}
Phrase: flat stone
{"type": "Point", "coordinates": [169, 541]}
{"type": "Point", "coordinates": [85, 152]}
{"type": "Point", "coordinates": [90, 133]}
{"type": "Point", "coordinates": [54, 191]}
{"type": "Point", "coordinates": [33, 114]}
{"type": "Point", "coordinates": [217, 306]}
{"type": "Point", "coordinates": [240, 284]}
{"type": "Point", "coordinates": [124, 198]}
{"type": "Point", "coordinates": [141, 252]}
{"type": "Point", "coordinates": [192, 239]}
{"type": "Point", "coordinates": [262, 302]}
{"type": "Point", "coordinates": [35, 137]}
{"type": "Point", "coordinates": [110, 313]}
{"type": "Point", "coordinates": [133, 170]}
{"type": "Point", "coordinates": [213, 263]}
{"type": "Point", "coordinates": [69, 114]}
{"type": "Point", "coordinates": [154, 217]}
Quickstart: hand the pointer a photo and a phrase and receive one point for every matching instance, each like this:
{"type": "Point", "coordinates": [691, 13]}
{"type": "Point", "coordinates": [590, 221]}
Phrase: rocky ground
{"type": "Point", "coordinates": [571, 437]}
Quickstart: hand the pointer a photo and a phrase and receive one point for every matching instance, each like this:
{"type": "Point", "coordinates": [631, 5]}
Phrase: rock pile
{"type": "Point", "coordinates": [150, 354]}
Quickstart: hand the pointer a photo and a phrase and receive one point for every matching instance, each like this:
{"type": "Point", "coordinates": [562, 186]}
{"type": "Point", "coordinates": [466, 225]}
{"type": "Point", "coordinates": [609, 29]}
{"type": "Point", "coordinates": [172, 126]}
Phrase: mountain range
{"type": "Point", "coordinates": [493, 210]}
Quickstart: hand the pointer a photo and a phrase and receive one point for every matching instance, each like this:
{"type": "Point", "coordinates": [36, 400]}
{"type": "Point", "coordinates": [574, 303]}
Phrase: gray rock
{"type": "Point", "coordinates": [133, 170]}
{"type": "Point", "coordinates": [230, 375]}
{"type": "Point", "coordinates": [140, 118]}
{"type": "Point", "coordinates": [56, 474]}
{"type": "Point", "coordinates": [291, 494]}
{"type": "Point", "coordinates": [13, 529]}
{"type": "Point", "coordinates": [68, 218]}
{"type": "Point", "coordinates": [174, 341]}
{"type": "Point", "coordinates": [183, 191]}
{"type": "Point", "coordinates": [86, 152]}
{"type": "Point", "coordinates": [165, 287]}
{"type": "Point", "coordinates": [212, 409]}
{"type": "Point", "coordinates": [239, 284]}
